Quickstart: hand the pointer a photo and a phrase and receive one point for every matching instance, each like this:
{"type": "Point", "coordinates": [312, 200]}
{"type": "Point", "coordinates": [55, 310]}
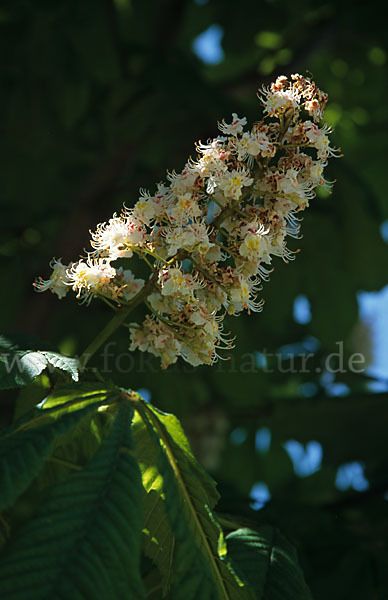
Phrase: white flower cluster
{"type": "Point", "coordinates": [208, 236]}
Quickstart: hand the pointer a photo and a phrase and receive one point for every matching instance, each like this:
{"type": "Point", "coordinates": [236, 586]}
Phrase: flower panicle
{"type": "Point", "coordinates": [209, 234]}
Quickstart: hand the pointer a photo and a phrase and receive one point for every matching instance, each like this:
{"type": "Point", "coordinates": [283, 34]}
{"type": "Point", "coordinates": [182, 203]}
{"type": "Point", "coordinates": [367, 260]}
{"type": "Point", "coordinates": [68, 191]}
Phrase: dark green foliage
{"type": "Point", "coordinates": [24, 450]}
{"type": "Point", "coordinates": [77, 493]}
{"type": "Point", "coordinates": [19, 368]}
{"type": "Point", "coordinates": [269, 563]}
{"type": "Point", "coordinates": [200, 568]}
{"type": "Point", "coordinates": [24, 357]}
{"type": "Point", "coordinates": [85, 538]}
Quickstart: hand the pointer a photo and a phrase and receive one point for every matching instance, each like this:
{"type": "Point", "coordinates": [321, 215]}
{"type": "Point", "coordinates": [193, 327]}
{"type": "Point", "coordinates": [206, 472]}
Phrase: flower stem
{"type": "Point", "coordinates": [209, 276]}
{"type": "Point", "coordinates": [154, 255]}
{"type": "Point", "coordinates": [167, 321]}
{"type": "Point", "coordinates": [224, 214]}
{"type": "Point", "coordinates": [140, 253]}
{"type": "Point", "coordinates": [226, 249]}
{"type": "Point", "coordinates": [116, 321]}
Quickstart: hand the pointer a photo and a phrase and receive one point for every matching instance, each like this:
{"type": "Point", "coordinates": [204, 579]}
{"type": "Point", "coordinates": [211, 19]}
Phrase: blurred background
{"type": "Point", "coordinates": [100, 97]}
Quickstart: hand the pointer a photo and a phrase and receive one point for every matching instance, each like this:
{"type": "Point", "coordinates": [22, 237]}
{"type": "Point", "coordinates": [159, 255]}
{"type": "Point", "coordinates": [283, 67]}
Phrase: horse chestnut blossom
{"type": "Point", "coordinates": [208, 235]}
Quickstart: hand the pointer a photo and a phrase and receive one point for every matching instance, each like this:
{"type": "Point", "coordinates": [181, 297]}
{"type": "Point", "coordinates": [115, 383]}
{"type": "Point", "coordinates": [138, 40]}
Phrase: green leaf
{"type": "Point", "coordinates": [182, 450]}
{"type": "Point", "coordinates": [85, 540]}
{"type": "Point", "coordinates": [268, 562]}
{"type": "Point", "coordinates": [199, 568]}
{"type": "Point", "coordinates": [70, 396]}
{"type": "Point", "coordinates": [158, 538]}
{"type": "Point", "coordinates": [31, 395]}
{"type": "Point", "coordinates": [19, 367]}
{"type": "Point", "coordinates": [76, 448]}
{"type": "Point", "coordinates": [23, 451]}
{"type": "Point", "coordinates": [64, 363]}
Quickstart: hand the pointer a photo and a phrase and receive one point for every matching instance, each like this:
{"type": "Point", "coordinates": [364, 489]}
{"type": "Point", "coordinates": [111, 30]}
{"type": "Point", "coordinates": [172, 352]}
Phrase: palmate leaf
{"type": "Point", "coordinates": [85, 540]}
{"type": "Point", "coordinates": [24, 450]}
{"type": "Point", "coordinates": [269, 563]}
{"type": "Point", "coordinates": [31, 396]}
{"type": "Point", "coordinates": [182, 450]}
{"type": "Point", "coordinates": [38, 430]}
{"type": "Point", "coordinates": [79, 445]}
{"type": "Point", "coordinates": [69, 396]}
{"type": "Point", "coordinates": [66, 396]}
{"type": "Point", "coordinates": [159, 539]}
{"type": "Point", "coordinates": [180, 488]}
{"type": "Point", "coordinates": [64, 363]}
{"type": "Point", "coordinates": [19, 367]}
